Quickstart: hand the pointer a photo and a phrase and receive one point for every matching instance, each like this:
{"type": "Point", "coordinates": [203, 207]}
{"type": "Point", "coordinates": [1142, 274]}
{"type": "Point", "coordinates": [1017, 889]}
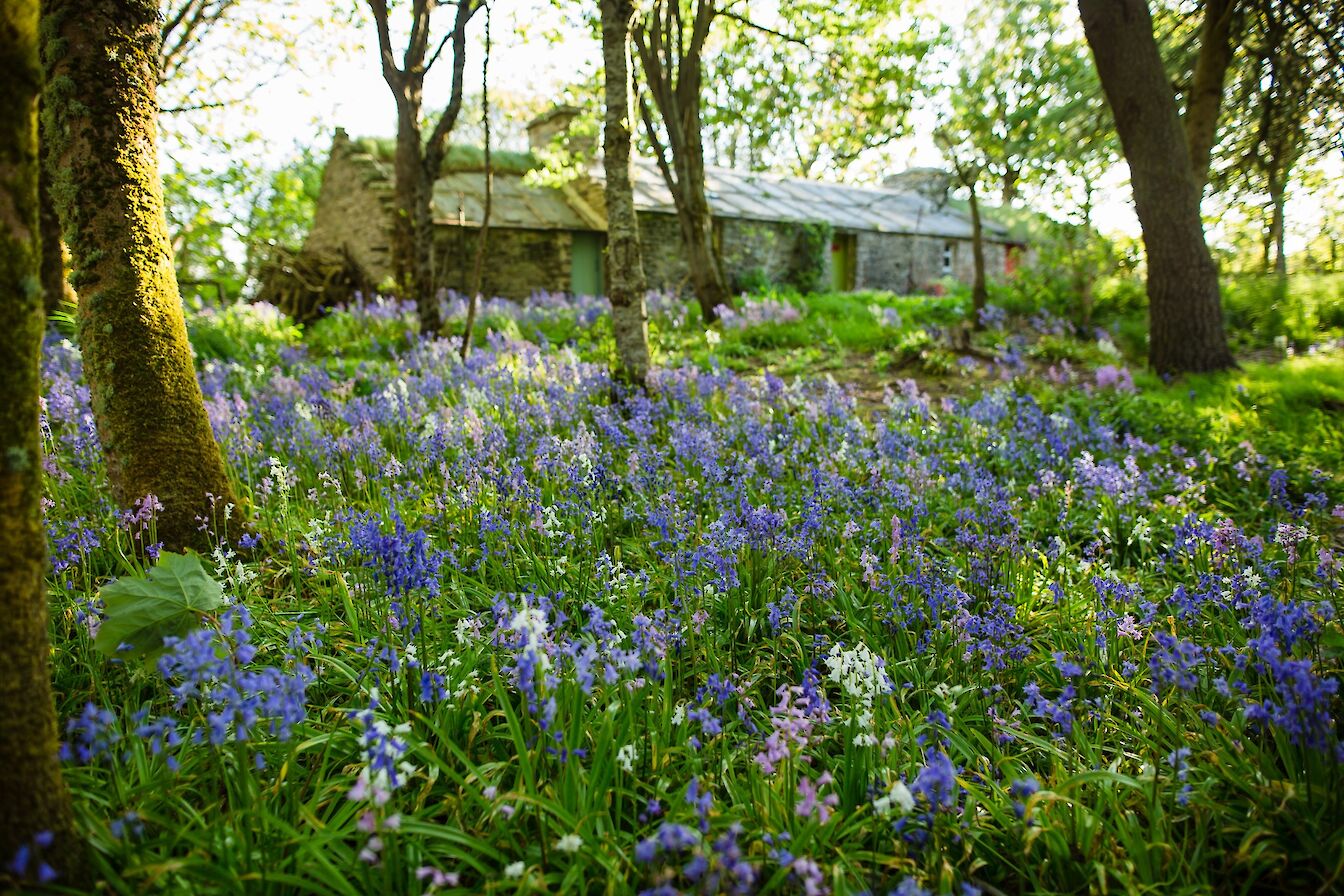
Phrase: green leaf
{"type": "Point", "coordinates": [170, 601]}
{"type": "Point", "coordinates": [1332, 641]}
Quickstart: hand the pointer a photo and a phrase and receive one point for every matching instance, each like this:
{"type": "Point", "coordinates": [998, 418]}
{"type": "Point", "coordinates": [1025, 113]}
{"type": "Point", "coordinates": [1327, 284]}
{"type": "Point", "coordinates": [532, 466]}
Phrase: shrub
{"type": "Point", "coordinates": [241, 332]}
{"type": "Point", "coordinates": [811, 249]}
{"type": "Point", "coordinates": [752, 281]}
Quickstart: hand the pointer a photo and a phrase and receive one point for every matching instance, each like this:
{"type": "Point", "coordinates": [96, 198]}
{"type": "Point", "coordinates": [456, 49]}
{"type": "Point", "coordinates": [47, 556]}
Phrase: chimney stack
{"type": "Point", "coordinates": [542, 129]}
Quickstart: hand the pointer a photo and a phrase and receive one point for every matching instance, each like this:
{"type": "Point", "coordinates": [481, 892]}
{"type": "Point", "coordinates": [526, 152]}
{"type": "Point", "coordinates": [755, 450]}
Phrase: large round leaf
{"type": "Point", "coordinates": [169, 601]}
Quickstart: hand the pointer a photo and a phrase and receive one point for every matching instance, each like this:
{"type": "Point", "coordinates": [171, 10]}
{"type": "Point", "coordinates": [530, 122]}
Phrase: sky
{"type": "Point", "coordinates": [535, 51]}
{"type": "Point", "coordinates": [349, 91]}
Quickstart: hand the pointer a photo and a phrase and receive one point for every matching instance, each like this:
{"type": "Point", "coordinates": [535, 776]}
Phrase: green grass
{"type": "Point", "coordinates": [1291, 410]}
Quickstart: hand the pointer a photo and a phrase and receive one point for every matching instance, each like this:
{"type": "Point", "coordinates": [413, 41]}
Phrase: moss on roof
{"type": "Point", "coordinates": [460, 156]}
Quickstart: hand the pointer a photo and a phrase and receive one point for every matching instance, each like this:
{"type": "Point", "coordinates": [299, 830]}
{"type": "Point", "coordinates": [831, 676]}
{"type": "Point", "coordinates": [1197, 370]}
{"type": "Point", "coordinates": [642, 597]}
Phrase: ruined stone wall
{"type": "Point", "coordinates": [354, 210]}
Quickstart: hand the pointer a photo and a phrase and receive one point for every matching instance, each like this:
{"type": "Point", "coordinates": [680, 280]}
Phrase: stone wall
{"type": "Point", "coordinates": [665, 265]}
{"type": "Point", "coordinates": [885, 260]}
{"type": "Point", "coordinates": [517, 262]}
{"type": "Point", "coordinates": [752, 251]}
{"type": "Point", "coordinates": [354, 209]}
{"type": "Point", "coordinates": [903, 263]}
{"type": "Point", "coordinates": [963, 261]}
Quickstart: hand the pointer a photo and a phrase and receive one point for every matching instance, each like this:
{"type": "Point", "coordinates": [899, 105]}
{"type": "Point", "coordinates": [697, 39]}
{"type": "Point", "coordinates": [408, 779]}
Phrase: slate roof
{"type": "Point", "coordinates": [768, 197]}
{"type": "Point", "coordinates": [459, 199]}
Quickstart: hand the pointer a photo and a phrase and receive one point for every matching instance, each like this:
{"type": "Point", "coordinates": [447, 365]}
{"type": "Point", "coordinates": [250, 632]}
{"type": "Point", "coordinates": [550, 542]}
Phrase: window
{"type": "Point", "coordinates": [949, 255]}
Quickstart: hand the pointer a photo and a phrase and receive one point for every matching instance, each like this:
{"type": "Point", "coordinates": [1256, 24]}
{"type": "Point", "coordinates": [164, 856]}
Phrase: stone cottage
{"type": "Point", "coordinates": [902, 236]}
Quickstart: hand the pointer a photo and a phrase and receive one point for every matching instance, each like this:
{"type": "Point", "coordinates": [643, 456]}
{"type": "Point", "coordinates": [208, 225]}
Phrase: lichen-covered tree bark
{"type": "Point", "coordinates": [1185, 315]}
{"type": "Point", "coordinates": [102, 63]}
{"type": "Point", "coordinates": [625, 264]}
{"type": "Point", "coordinates": [33, 797]}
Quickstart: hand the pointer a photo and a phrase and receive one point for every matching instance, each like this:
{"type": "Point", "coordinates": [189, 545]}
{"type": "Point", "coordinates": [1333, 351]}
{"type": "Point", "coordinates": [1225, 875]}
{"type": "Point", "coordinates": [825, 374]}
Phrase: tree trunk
{"type": "Point", "coordinates": [625, 264]}
{"type": "Point", "coordinates": [697, 233]}
{"type": "Point", "coordinates": [35, 797]}
{"type": "Point", "coordinates": [405, 174]}
{"type": "Point", "coordinates": [1010, 179]}
{"type": "Point", "coordinates": [422, 235]}
{"type": "Point", "coordinates": [418, 161]}
{"type": "Point", "coordinates": [413, 221]}
{"type": "Point", "coordinates": [56, 289]}
{"type": "Point", "coordinates": [482, 239]}
{"type": "Point", "coordinates": [1205, 101]}
{"type": "Point", "coordinates": [1184, 305]}
{"type": "Point", "coordinates": [1278, 198]}
{"type": "Point", "coordinates": [147, 403]}
{"type": "Point", "coordinates": [979, 291]}
{"type": "Point", "coordinates": [672, 70]}
{"type": "Point", "coordinates": [1085, 271]}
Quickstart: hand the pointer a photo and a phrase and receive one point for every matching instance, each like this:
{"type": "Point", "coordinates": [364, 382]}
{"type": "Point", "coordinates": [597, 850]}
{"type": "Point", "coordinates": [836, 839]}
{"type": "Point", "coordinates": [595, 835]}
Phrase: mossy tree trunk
{"type": "Point", "coordinates": [34, 795]}
{"type": "Point", "coordinates": [102, 61]}
{"type": "Point", "coordinates": [56, 290]}
{"type": "Point", "coordinates": [625, 264]}
{"type": "Point", "coordinates": [1278, 205]}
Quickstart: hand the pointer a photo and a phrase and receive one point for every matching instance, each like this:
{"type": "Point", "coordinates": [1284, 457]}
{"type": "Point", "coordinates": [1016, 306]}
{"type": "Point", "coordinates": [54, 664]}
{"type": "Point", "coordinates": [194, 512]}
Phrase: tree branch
{"type": "Point", "coordinates": [391, 73]}
{"type": "Point", "coordinates": [1332, 44]}
{"type": "Point", "coordinates": [196, 107]}
{"type": "Point", "coordinates": [187, 22]}
{"type": "Point", "coordinates": [756, 26]}
{"type": "Point", "coordinates": [434, 149]}
{"type": "Point", "coordinates": [659, 151]}
{"type": "Point", "coordinates": [418, 43]}
{"type": "Point", "coordinates": [439, 50]}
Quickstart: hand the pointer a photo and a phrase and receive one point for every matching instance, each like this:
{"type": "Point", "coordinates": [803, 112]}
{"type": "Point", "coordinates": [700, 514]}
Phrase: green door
{"type": "Point", "coordinates": [585, 265]}
{"type": "Point", "coordinates": [842, 262]}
